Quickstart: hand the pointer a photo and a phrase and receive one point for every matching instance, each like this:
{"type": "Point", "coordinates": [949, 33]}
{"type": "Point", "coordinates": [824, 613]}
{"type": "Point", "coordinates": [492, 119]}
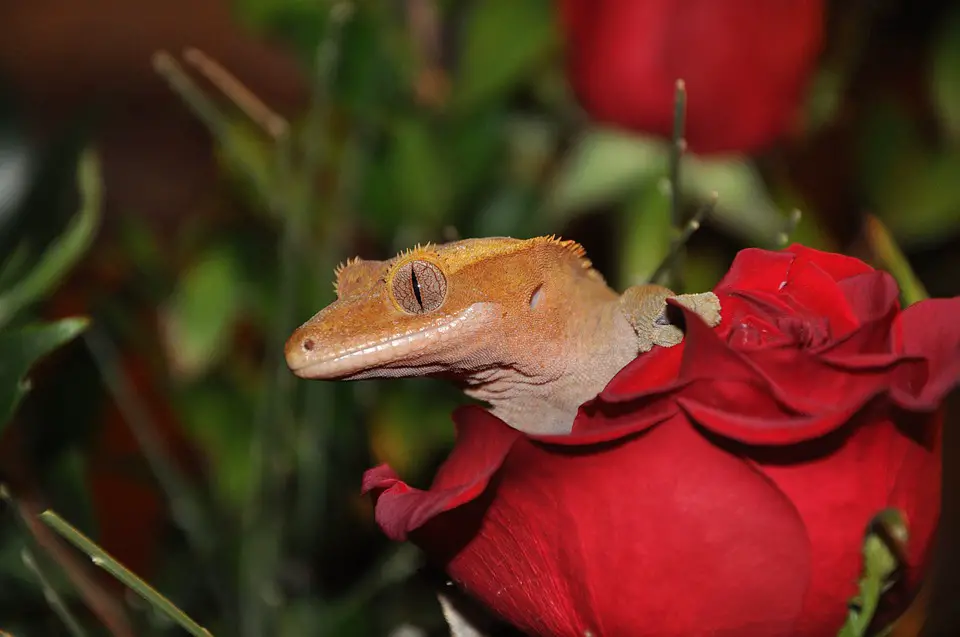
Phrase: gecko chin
{"type": "Point", "coordinates": [408, 353]}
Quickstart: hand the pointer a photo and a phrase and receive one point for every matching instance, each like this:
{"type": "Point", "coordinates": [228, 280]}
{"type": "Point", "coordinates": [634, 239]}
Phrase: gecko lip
{"type": "Point", "coordinates": [328, 362]}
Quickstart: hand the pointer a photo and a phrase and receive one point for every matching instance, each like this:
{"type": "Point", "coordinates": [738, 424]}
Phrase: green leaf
{"type": "Point", "coordinates": [197, 320]}
{"type": "Point", "coordinates": [20, 349]}
{"type": "Point", "coordinates": [505, 41]}
{"type": "Point", "coordinates": [745, 207]}
{"type": "Point", "coordinates": [944, 78]}
{"type": "Point", "coordinates": [66, 250]}
{"type": "Point", "coordinates": [923, 208]}
{"type": "Point", "coordinates": [602, 167]}
{"type": "Point", "coordinates": [14, 265]}
{"type": "Point", "coordinates": [911, 188]}
{"type": "Point", "coordinates": [605, 165]}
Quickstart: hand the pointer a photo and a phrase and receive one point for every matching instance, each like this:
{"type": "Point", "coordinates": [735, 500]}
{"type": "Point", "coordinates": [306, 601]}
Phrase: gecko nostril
{"type": "Point", "coordinates": [308, 344]}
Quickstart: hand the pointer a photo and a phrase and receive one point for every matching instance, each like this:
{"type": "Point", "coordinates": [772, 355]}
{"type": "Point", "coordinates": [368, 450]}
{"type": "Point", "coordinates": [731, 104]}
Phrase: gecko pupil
{"type": "Point", "coordinates": [416, 286]}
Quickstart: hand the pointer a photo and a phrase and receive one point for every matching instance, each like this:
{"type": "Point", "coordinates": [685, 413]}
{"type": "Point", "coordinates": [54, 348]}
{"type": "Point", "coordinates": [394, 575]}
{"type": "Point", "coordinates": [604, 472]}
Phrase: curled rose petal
{"type": "Point", "coordinates": [477, 456]}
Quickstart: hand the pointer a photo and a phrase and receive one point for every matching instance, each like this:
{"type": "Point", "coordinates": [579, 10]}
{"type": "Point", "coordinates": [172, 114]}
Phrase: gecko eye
{"type": "Point", "coordinates": [419, 287]}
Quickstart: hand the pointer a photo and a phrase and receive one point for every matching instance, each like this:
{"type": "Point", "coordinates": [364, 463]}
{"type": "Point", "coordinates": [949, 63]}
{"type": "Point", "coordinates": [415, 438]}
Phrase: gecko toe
{"type": "Point", "coordinates": [706, 305]}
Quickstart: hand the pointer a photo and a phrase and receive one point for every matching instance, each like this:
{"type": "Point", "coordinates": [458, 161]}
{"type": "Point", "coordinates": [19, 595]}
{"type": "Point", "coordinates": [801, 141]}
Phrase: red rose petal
{"type": "Point", "coordinates": [838, 486]}
{"type": "Point", "coordinates": [647, 373]}
{"type": "Point", "coordinates": [756, 269]}
{"type": "Point", "coordinates": [930, 329]}
{"type": "Point", "coordinates": [812, 291]}
{"type": "Point", "coordinates": [838, 266]}
{"type": "Point", "coordinates": [760, 430]}
{"type": "Point", "coordinates": [483, 441]}
{"type": "Point", "coordinates": [874, 298]}
{"type": "Point", "coordinates": [664, 532]}
{"type": "Point", "coordinates": [916, 490]}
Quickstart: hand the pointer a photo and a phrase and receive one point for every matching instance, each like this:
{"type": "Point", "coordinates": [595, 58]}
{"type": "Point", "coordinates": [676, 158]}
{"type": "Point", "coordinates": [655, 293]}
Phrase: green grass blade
{"type": "Point", "coordinates": [105, 561]}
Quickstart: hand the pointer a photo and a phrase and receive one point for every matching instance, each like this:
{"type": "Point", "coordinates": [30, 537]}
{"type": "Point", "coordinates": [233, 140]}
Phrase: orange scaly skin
{"type": "Point", "coordinates": [528, 326]}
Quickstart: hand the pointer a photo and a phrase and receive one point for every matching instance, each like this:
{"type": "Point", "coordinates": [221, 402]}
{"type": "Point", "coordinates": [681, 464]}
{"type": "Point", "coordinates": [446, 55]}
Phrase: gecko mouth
{"type": "Point", "coordinates": [309, 356]}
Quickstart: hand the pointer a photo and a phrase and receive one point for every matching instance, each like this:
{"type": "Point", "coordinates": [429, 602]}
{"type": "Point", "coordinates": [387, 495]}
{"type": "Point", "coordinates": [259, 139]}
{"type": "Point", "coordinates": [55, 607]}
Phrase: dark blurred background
{"type": "Point", "coordinates": [172, 433]}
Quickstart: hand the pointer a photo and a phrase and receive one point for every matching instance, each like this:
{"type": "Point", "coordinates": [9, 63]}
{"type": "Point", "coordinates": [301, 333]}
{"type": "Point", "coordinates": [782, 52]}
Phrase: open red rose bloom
{"type": "Point", "coordinates": [722, 486]}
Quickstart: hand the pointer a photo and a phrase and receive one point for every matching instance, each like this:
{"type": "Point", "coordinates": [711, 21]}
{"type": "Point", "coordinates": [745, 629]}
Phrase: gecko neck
{"type": "Point", "coordinates": [597, 346]}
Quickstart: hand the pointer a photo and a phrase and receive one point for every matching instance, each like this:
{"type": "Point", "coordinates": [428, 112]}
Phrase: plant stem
{"type": "Point", "coordinates": [688, 229]}
{"type": "Point", "coordinates": [883, 550]}
{"type": "Point", "coordinates": [274, 444]}
{"type": "Point", "coordinates": [677, 148]}
{"type": "Point", "coordinates": [185, 508]}
{"type": "Point", "coordinates": [100, 602]}
{"type": "Point", "coordinates": [275, 125]}
{"type": "Point", "coordinates": [670, 276]}
{"type": "Point", "coordinates": [892, 259]}
{"type": "Point", "coordinates": [201, 105]}
{"type": "Point", "coordinates": [50, 594]}
{"type": "Point", "coordinates": [105, 561]}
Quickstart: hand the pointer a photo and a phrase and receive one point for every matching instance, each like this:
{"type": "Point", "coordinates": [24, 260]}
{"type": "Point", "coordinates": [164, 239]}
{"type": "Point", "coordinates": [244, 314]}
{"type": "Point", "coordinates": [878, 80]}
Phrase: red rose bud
{"type": "Point", "coordinates": [745, 64]}
{"type": "Point", "coordinates": [722, 486]}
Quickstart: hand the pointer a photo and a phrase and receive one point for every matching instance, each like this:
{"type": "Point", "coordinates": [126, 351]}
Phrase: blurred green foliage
{"type": "Point", "coordinates": [411, 135]}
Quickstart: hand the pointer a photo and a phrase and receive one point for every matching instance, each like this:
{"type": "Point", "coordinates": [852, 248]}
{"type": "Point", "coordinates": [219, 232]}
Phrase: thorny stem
{"type": "Point", "coordinates": [677, 246]}
{"type": "Point", "coordinates": [105, 561]}
{"type": "Point", "coordinates": [677, 149]}
{"type": "Point", "coordinates": [671, 276]}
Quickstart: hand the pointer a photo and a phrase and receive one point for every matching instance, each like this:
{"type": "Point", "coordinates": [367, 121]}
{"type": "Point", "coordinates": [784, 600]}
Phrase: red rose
{"type": "Point", "coordinates": [745, 64]}
{"type": "Point", "coordinates": [719, 487]}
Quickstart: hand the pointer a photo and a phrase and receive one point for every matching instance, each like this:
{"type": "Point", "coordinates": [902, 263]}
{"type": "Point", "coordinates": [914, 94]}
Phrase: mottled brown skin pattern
{"type": "Point", "coordinates": [527, 326]}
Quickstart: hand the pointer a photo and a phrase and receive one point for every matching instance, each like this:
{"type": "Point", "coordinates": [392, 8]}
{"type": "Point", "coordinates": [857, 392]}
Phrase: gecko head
{"type": "Point", "coordinates": [455, 309]}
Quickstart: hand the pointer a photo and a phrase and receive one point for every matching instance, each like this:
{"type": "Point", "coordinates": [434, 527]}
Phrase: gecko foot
{"type": "Point", "coordinates": [647, 311]}
{"type": "Point", "coordinates": [706, 305]}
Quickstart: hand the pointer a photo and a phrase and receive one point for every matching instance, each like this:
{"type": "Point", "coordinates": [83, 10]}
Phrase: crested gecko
{"type": "Point", "coordinates": [527, 326]}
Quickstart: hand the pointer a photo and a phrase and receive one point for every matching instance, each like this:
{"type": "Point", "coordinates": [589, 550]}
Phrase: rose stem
{"type": "Point", "coordinates": [691, 226]}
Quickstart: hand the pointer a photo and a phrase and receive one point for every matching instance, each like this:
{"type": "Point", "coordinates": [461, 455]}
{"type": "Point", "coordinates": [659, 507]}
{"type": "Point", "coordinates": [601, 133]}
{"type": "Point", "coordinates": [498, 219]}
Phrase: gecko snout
{"type": "Point", "coordinates": [300, 350]}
